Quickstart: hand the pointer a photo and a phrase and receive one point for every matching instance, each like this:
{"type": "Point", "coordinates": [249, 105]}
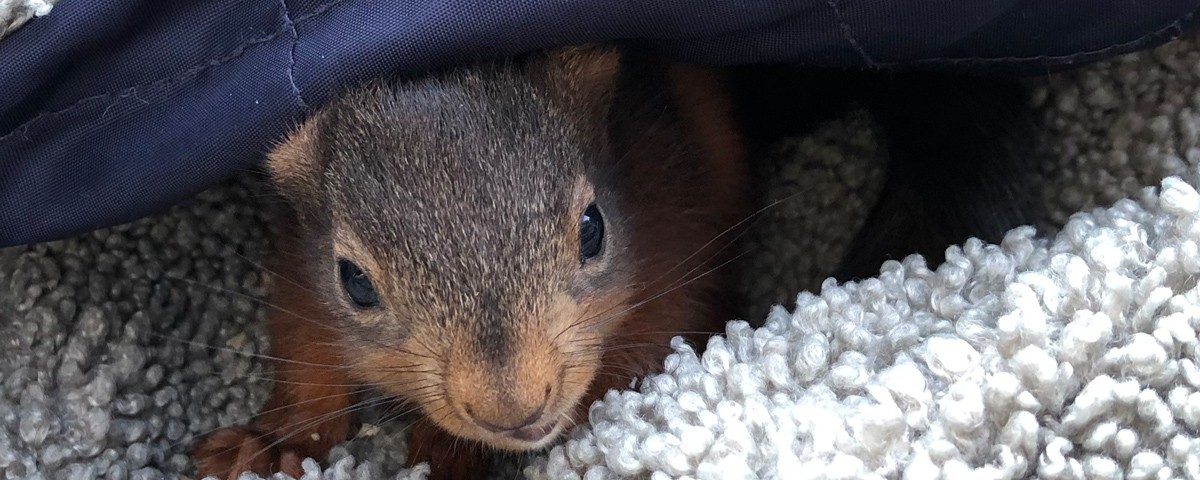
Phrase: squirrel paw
{"type": "Point", "coordinates": [229, 452]}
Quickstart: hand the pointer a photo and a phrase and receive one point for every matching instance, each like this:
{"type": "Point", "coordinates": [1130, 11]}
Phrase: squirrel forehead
{"type": "Point", "coordinates": [492, 133]}
{"type": "Point", "coordinates": [454, 165]}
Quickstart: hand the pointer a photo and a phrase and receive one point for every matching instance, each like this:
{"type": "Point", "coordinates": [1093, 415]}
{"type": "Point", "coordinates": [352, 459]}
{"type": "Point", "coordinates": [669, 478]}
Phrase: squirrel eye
{"type": "Point", "coordinates": [358, 287]}
{"type": "Point", "coordinates": [591, 233]}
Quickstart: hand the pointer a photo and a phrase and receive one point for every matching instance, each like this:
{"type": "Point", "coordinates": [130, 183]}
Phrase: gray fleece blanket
{"type": "Point", "coordinates": [1067, 351]}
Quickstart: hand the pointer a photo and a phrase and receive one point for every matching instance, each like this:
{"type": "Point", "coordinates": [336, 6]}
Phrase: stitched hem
{"type": "Point", "coordinates": [848, 34]}
{"type": "Point", "coordinates": [287, 18]}
{"type": "Point", "coordinates": [1174, 29]}
{"type": "Point", "coordinates": [1171, 31]}
{"type": "Point", "coordinates": [190, 73]}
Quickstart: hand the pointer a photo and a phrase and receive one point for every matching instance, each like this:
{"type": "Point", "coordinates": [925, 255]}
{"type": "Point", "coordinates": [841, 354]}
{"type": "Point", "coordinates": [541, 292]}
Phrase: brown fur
{"type": "Point", "coordinates": [460, 197]}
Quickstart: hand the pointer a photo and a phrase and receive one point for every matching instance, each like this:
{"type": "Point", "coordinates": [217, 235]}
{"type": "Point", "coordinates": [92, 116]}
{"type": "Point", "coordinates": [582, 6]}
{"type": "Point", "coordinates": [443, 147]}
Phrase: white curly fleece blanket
{"type": "Point", "coordinates": [1071, 358]}
{"type": "Point", "coordinates": [1066, 353]}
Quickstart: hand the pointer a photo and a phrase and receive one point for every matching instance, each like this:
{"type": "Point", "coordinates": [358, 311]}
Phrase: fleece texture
{"type": "Point", "coordinates": [1070, 358]}
{"type": "Point", "coordinates": [14, 13]}
{"type": "Point", "coordinates": [1067, 351]}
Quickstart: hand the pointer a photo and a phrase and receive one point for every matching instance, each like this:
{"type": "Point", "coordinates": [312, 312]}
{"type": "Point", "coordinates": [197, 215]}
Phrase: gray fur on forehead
{"type": "Point", "coordinates": [470, 167]}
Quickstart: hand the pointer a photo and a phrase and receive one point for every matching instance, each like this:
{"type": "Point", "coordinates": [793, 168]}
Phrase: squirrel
{"type": "Point", "coordinates": [495, 246]}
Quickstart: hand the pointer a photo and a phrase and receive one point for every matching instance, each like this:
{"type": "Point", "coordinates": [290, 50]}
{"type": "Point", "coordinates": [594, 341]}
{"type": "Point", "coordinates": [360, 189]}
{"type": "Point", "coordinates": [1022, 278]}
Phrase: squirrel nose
{"type": "Point", "coordinates": [514, 393]}
{"type": "Point", "coordinates": [523, 429]}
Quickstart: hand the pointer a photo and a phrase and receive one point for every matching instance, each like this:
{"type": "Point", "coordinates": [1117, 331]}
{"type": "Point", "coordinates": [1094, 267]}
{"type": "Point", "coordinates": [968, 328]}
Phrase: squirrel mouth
{"type": "Point", "coordinates": [535, 433]}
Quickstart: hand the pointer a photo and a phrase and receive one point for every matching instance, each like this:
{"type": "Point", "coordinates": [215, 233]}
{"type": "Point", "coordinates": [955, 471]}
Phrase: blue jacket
{"type": "Point", "coordinates": [113, 109]}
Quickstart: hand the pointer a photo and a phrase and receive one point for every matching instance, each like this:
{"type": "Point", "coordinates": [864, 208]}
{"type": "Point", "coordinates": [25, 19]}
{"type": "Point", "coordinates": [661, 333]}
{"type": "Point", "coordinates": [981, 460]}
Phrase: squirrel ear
{"type": "Point", "coordinates": [584, 76]}
{"type": "Point", "coordinates": [295, 166]}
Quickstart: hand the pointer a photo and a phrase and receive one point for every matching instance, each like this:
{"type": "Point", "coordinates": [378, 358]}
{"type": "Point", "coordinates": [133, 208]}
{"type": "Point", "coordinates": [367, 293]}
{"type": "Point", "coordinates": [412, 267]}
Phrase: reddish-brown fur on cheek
{"type": "Point", "coordinates": [684, 282]}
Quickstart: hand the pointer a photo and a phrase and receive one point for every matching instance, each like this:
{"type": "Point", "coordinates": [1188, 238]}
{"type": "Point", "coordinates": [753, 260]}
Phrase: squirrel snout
{"type": "Point", "coordinates": [513, 417]}
{"type": "Point", "coordinates": [518, 404]}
